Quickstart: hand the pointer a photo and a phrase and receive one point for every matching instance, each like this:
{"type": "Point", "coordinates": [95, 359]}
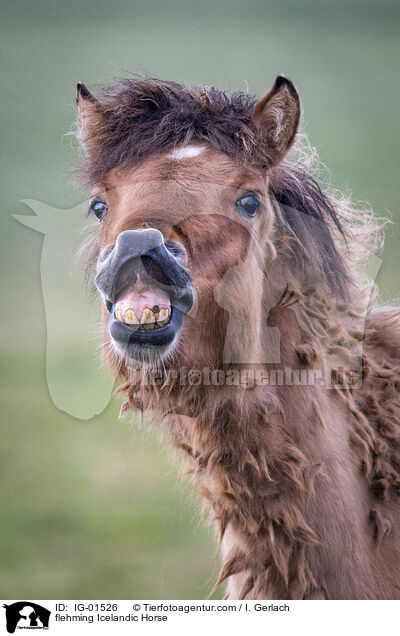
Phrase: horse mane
{"type": "Point", "coordinates": [139, 117]}
{"type": "Point", "coordinates": [143, 116]}
{"type": "Point", "coordinates": [307, 215]}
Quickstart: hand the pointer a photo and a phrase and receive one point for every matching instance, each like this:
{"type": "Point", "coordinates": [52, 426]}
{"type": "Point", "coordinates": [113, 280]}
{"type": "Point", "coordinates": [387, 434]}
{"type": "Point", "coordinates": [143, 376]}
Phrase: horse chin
{"type": "Point", "coordinates": [144, 346]}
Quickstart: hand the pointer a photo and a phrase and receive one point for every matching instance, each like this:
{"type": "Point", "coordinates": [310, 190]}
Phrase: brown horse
{"type": "Point", "coordinates": [217, 254]}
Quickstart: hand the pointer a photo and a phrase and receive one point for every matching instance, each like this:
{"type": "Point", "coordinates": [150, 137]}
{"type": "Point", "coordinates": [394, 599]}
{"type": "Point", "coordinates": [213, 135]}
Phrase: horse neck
{"type": "Point", "coordinates": [262, 468]}
{"type": "Point", "coordinates": [270, 461]}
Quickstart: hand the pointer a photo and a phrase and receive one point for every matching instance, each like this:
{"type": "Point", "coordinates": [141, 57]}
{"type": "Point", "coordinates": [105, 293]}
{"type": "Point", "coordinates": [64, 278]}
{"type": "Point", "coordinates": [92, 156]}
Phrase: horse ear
{"type": "Point", "coordinates": [277, 114]}
{"type": "Point", "coordinates": [89, 115]}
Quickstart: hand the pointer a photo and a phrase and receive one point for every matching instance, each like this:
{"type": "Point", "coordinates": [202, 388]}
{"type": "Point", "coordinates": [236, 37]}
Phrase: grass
{"type": "Point", "coordinates": [97, 509]}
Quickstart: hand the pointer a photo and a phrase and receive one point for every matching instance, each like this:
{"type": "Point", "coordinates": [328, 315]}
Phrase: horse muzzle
{"type": "Point", "coordinates": [146, 290]}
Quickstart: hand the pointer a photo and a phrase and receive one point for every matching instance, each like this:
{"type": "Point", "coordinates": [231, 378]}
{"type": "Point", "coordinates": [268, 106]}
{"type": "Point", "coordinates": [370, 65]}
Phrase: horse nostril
{"type": "Point", "coordinates": [177, 250]}
{"type": "Point", "coordinates": [104, 253]}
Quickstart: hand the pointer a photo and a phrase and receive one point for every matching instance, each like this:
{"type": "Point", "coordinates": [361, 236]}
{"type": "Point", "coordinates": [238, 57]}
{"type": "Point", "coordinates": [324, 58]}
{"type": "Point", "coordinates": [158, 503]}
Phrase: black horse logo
{"type": "Point", "coordinates": [26, 614]}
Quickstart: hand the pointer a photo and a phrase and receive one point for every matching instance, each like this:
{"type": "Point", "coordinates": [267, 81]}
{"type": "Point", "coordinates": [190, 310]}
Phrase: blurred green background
{"type": "Point", "coordinates": [97, 509]}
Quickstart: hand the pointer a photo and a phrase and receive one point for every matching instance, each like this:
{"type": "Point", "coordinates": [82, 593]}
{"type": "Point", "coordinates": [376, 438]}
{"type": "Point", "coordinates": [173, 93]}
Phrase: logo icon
{"type": "Point", "coordinates": [26, 615]}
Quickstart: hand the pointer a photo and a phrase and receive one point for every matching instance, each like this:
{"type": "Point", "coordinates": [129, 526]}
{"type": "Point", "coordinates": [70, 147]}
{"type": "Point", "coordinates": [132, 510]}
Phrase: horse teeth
{"type": "Point", "coordinates": [164, 315]}
{"type": "Point", "coordinates": [147, 319]}
{"type": "Point", "coordinates": [130, 317]}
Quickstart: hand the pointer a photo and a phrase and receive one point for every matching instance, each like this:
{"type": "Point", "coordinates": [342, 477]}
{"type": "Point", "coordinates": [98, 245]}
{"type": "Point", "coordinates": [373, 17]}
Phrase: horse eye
{"type": "Point", "coordinates": [249, 204]}
{"type": "Point", "coordinates": [99, 207]}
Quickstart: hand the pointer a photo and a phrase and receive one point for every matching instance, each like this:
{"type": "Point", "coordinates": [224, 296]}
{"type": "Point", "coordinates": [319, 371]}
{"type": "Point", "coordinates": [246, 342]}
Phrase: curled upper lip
{"type": "Point", "coordinates": [156, 261]}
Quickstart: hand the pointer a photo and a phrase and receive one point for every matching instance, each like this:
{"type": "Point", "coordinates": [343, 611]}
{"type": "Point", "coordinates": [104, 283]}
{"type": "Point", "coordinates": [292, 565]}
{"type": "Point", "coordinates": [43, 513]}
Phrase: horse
{"type": "Point", "coordinates": [217, 251]}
